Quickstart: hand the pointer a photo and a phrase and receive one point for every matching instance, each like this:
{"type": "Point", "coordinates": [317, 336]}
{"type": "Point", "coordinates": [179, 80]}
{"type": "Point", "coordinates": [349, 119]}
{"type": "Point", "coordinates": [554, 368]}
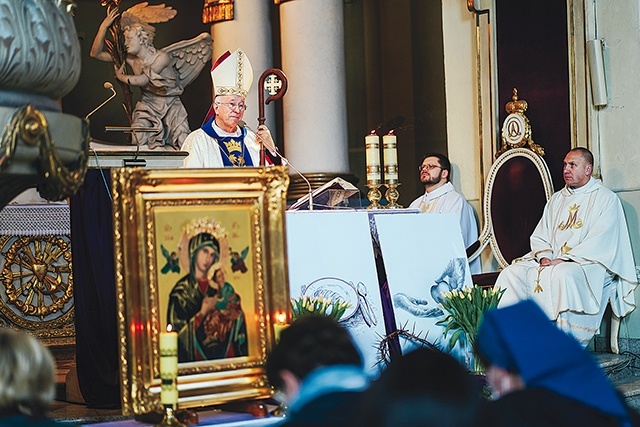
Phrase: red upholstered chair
{"type": "Point", "coordinates": [517, 188]}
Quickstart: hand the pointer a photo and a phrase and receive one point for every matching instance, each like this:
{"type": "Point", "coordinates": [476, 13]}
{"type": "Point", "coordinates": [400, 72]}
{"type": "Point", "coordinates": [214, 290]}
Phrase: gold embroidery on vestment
{"type": "Point", "coordinates": [234, 148]}
{"type": "Point", "coordinates": [538, 288]}
{"type": "Point", "coordinates": [427, 207]}
{"type": "Point", "coordinates": [572, 220]}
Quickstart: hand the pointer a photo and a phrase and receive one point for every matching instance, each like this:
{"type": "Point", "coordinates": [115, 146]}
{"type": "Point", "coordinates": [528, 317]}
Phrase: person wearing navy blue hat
{"type": "Point", "coordinates": [540, 376]}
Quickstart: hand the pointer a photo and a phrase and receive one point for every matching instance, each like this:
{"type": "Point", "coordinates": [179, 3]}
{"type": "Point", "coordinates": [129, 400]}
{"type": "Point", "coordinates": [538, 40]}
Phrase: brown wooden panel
{"type": "Point", "coordinates": [533, 56]}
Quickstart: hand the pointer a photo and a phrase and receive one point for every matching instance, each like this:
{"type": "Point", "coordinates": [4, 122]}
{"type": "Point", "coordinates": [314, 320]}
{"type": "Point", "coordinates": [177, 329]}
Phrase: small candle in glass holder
{"type": "Point", "coordinates": [279, 325]}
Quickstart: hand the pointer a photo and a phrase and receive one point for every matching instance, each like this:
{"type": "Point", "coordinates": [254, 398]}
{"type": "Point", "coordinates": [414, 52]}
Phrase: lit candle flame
{"type": "Point", "coordinates": [281, 318]}
{"type": "Point", "coordinates": [169, 327]}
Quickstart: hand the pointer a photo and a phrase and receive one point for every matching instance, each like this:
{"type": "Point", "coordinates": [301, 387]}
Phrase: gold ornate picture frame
{"type": "Point", "coordinates": [171, 226]}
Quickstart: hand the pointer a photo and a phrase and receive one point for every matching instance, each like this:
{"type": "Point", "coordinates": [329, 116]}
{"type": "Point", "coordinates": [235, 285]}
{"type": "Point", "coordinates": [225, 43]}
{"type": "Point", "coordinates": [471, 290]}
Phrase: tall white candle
{"type": "Point", "coordinates": [169, 367]}
{"type": "Point", "coordinates": [372, 147]}
{"type": "Point", "coordinates": [389, 144]}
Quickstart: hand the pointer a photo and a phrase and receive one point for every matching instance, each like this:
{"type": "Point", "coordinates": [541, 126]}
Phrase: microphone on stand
{"type": "Point", "coordinates": [106, 85]}
{"type": "Point", "coordinates": [275, 147]}
{"type": "Point", "coordinates": [304, 178]}
{"type": "Point", "coordinates": [301, 176]}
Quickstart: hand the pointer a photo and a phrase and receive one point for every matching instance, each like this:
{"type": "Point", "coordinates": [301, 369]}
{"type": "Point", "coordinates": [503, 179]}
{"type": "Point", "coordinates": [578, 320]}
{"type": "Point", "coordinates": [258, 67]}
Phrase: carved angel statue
{"type": "Point", "coordinates": [161, 74]}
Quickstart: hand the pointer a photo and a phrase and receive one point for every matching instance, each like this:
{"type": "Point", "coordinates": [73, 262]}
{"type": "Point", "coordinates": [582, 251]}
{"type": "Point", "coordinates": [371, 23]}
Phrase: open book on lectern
{"type": "Point", "coordinates": [327, 196]}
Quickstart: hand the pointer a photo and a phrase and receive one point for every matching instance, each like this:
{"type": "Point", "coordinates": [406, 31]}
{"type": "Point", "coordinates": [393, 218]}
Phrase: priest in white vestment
{"type": "Point", "coordinates": [580, 255]}
{"type": "Point", "coordinates": [441, 197]}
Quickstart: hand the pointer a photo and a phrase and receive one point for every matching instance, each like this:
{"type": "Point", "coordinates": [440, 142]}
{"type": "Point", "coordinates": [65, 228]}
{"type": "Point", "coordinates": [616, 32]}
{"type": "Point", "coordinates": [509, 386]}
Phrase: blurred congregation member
{"type": "Point", "coordinates": [422, 388]}
{"type": "Point", "coordinates": [540, 376]}
{"type": "Point", "coordinates": [27, 380]}
{"type": "Point", "coordinates": [317, 371]}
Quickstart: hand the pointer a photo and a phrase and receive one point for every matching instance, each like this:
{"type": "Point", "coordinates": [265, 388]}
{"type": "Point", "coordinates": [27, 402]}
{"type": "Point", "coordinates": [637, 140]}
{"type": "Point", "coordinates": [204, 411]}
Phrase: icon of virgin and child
{"type": "Point", "coordinates": [203, 307]}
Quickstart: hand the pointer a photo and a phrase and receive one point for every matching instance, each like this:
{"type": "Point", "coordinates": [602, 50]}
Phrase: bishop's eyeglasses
{"type": "Point", "coordinates": [233, 106]}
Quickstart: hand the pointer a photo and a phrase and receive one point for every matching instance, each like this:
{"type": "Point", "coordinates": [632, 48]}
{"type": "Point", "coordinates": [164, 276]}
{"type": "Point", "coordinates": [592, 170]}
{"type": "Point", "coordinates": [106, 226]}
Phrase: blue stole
{"type": "Point", "coordinates": [233, 150]}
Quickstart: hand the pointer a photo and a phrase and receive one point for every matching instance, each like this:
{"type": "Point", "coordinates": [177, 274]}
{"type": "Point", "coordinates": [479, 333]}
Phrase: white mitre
{"type": "Point", "coordinates": [232, 74]}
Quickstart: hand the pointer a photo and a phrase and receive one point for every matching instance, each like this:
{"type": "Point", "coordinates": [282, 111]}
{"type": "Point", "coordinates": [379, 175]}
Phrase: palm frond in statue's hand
{"type": "Point", "coordinates": [118, 52]}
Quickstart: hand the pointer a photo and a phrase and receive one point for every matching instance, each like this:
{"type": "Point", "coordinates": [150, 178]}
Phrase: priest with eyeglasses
{"type": "Point", "coordinates": [222, 141]}
{"type": "Point", "coordinates": [441, 197]}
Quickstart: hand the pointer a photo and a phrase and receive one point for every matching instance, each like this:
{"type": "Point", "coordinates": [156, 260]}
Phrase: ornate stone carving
{"type": "Point", "coordinates": [39, 49]}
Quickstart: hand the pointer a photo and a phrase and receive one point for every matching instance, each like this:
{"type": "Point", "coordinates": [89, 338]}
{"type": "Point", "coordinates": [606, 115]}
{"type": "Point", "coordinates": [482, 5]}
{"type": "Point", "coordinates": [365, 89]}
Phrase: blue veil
{"type": "Point", "coordinates": [520, 338]}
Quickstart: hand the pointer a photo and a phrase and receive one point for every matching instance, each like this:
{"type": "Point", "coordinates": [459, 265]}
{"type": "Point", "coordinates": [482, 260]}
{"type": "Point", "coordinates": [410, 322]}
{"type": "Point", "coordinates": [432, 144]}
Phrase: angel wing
{"type": "Point", "coordinates": [190, 56]}
{"type": "Point", "coordinates": [165, 252]}
{"type": "Point", "coordinates": [244, 253]}
{"type": "Point", "coordinates": [143, 13]}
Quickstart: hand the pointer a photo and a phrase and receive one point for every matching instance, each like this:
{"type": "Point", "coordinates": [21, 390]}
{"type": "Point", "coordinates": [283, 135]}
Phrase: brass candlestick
{"type": "Point", "coordinates": [389, 143]}
{"type": "Point", "coordinates": [374, 195]}
{"type": "Point", "coordinates": [169, 419]}
{"type": "Point", "coordinates": [392, 195]}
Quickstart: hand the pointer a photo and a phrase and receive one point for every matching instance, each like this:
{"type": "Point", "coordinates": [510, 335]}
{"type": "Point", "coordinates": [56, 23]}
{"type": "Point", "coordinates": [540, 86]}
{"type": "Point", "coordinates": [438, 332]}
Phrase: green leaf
{"type": "Point", "coordinates": [455, 338]}
{"type": "Point", "coordinates": [447, 319]}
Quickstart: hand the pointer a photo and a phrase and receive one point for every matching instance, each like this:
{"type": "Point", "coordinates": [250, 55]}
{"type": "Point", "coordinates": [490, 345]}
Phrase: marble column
{"type": "Point", "coordinates": [250, 30]}
{"type": "Point", "coordinates": [315, 112]}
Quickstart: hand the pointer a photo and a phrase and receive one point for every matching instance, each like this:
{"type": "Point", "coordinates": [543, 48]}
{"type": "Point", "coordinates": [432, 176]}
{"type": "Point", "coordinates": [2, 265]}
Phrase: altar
{"type": "Point", "coordinates": [389, 265]}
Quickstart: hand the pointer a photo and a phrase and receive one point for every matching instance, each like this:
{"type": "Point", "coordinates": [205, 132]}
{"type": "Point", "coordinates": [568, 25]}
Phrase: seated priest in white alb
{"type": "Point", "coordinates": [580, 255]}
{"type": "Point", "coordinates": [440, 197]}
{"type": "Point", "coordinates": [222, 141]}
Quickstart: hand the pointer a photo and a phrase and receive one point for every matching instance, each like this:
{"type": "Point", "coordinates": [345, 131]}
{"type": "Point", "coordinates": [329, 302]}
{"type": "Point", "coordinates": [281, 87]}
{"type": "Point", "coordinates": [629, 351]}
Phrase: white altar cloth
{"type": "Point", "coordinates": [35, 220]}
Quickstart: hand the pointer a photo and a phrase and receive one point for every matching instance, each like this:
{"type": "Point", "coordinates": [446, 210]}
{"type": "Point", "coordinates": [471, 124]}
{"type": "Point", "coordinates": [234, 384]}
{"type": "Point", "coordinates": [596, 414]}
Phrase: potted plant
{"type": "Point", "coordinates": [466, 307]}
{"type": "Point", "coordinates": [318, 305]}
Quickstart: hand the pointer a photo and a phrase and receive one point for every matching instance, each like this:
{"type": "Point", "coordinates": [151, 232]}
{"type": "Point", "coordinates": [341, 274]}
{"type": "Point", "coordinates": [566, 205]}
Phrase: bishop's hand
{"type": "Point", "coordinates": [263, 136]}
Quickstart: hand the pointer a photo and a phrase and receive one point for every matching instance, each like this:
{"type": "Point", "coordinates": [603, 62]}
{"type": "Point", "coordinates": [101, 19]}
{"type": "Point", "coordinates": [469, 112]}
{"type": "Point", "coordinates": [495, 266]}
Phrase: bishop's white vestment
{"type": "Point", "coordinates": [585, 226]}
{"type": "Point", "coordinates": [204, 151]}
{"type": "Point", "coordinates": [446, 199]}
